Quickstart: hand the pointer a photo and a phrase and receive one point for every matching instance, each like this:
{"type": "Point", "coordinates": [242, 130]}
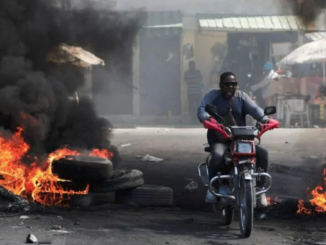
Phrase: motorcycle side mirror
{"type": "Point", "coordinates": [270, 110]}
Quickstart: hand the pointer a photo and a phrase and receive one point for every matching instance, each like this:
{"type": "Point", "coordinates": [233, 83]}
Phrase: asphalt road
{"type": "Point", "coordinates": [182, 151]}
{"type": "Point", "coordinates": [188, 222]}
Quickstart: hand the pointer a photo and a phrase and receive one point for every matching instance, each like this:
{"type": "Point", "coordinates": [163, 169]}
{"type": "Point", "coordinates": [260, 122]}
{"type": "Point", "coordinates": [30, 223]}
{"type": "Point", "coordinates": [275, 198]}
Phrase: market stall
{"type": "Point", "coordinates": [303, 97]}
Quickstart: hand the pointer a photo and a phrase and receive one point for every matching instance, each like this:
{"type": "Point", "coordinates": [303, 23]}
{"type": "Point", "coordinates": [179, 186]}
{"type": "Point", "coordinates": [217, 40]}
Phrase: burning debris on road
{"type": "Point", "coordinates": [36, 115]}
{"type": "Point", "coordinates": [317, 202]}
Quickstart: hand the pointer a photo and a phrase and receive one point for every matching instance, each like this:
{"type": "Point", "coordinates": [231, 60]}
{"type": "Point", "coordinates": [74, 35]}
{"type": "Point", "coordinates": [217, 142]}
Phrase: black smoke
{"type": "Point", "coordinates": [34, 93]}
{"type": "Point", "coordinates": [307, 10]}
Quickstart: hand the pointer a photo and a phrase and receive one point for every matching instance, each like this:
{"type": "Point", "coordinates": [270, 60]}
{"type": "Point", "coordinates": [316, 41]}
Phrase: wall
{"type": "Point", "coordinates": [136, 76]}
{"type": "Point", "coordinates": [202, 43]}
{"type": "Point", "coordinates": [203, 55]}
{"type": "Point", "coordinates": [189, 36]}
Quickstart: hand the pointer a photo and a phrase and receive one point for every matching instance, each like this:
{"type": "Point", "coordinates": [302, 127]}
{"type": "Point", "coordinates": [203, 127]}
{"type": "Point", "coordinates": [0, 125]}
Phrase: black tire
{"type": "Point", "coordinates": [72, 186]}
{"type": "Point", "coordinates": [120, 180]}
{"type": "Point", "coordinates": [146, 195]}
{"type": "Point", "coordinates": [246, 215]}
{"type": "Point", "coordinates": [81, 200]}
{"type": "Point", "coordinates": [116, 159]}
{"type": "Point", "coordinates": [106, 197]}
{"type": "Point", "coordinates": [82, 168]}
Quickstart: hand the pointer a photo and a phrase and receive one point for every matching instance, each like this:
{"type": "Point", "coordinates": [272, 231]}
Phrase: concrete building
{"type": "Point", "coordinates": [268, 27]}
{"type": "Point", "coordinates": [206, 31]}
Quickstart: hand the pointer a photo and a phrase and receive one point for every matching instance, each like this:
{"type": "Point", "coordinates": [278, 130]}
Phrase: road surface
{"type": "Point", "coordinates": [188, 222]}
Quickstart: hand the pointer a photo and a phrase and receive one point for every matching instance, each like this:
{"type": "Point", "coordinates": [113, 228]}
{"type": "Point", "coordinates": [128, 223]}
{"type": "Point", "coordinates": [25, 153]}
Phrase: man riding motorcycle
{"type": "Point", "coordinates": [233, 105]}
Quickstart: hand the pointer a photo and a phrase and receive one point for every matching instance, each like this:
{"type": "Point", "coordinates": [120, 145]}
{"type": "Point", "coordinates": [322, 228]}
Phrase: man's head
{"type": "Point", "coordinates": [192, 65]}
{"type": "Point", "coordinates": [228, 84]}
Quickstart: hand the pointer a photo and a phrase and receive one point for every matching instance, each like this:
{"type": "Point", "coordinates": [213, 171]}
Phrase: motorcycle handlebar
{"type": "Point", "coordinates": [220, 128]}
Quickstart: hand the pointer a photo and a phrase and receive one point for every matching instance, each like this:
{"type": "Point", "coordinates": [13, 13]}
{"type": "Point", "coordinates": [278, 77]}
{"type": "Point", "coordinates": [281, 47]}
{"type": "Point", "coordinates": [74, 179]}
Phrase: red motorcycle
{"type": "Point", "coordinates": [240, 168]}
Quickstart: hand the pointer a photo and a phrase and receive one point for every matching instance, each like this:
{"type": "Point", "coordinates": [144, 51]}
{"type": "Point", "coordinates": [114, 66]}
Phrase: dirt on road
{"type": "Point", "coordinates": [191, 221]}
{"type": "Point", "coordinates": [131, 225]}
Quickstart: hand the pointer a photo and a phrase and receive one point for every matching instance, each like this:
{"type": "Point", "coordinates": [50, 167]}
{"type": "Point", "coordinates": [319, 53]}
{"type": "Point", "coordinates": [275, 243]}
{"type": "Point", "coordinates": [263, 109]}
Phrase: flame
{"type": "Point", "coordinates": [318, 200]}
{"type": "Point", "coordinates": [37, 183]}
{"type": "Point", "coordinates": [272, 202]}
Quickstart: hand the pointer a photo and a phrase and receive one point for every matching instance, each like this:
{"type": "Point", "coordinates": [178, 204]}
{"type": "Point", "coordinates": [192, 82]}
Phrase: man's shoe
{"type": "Point", "coordinates": [210, 197]}
{"type": "Point", "coordinates": [262, 201]}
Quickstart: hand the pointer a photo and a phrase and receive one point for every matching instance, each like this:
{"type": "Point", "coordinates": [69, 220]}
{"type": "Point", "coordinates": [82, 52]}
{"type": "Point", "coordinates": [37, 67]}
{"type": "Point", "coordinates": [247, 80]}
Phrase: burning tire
{"type": "Point", "coordinates": [106, 197]}
{"type": "Point", "coordinates": [120, 180]}
{"type": "Point", "coordinates": [146, 195]}
{"type": "Point", "coordinates": [116, 156]}
{"type": "Point", "coordinates": [82, 168]}
{"type": "Point", "coordinates": [81, 200]}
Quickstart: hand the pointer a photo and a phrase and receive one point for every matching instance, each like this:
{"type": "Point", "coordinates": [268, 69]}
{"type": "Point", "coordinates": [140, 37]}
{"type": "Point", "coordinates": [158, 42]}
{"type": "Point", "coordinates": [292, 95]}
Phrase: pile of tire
{"type": "Point", "coordinates": [108, 185]}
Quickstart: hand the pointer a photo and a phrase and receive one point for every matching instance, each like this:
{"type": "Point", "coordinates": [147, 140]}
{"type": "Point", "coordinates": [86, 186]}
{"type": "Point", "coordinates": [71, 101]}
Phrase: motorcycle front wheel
{"type": "Point", "coordinates": [227, 215]}
{"type": "Point", "coordinates": [246, 215]}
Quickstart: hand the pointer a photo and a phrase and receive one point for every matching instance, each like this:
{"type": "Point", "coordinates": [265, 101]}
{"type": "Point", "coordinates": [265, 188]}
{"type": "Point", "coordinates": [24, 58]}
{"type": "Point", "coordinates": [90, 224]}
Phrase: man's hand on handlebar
{"type": "Point", "coordinates": [265, 121]}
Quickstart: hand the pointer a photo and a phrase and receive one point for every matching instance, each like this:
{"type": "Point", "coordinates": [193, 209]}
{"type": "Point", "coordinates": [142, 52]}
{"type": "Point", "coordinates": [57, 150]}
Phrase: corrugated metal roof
{"type": "Point", "coordinates": [257, 23]}
{"type": "Point", "coordinates": [315, 36]}
{"type": "Point", "coordinates": [163, 18]}
{"type": "Point", "coordinates": [163, 24]}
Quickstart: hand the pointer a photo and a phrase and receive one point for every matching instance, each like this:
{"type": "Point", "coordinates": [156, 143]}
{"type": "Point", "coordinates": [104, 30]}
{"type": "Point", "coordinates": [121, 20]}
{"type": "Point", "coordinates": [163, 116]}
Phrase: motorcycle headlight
{"type": "Point", "coordinates": [244, 147]}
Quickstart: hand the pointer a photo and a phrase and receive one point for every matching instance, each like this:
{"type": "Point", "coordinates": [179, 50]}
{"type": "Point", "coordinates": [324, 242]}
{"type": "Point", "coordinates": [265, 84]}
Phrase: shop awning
{"type": "Point", "coordinates": [250, 23]}
{"type": "Point", "coordinates": [315, 36]}
{"type": "Point", "coordinates": [77, 56]}
{"type": "Point", "coordinates": [161, 24]}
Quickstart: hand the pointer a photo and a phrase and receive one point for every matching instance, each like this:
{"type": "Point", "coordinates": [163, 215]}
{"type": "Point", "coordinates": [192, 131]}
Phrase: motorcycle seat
{"type": "Point", "coordinates": [207, 149]}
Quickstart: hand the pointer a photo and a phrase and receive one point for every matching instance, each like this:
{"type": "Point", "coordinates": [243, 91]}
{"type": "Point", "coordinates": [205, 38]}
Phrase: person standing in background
{"type": "Point", "coordinates": [268, 75]}
{"type": "Point", "coordinates": [214, 79]}
{"type": "Point", "coordinates": [194, 80]}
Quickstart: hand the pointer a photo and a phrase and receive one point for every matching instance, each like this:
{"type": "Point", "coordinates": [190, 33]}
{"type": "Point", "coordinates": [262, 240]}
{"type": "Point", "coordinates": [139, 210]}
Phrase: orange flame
{"type": "Point", "coordinates": [41, 185]}
{"type": "Point", "coordinates": [318, 200]}
{"type": "Point", "coordinates": [272, 202]}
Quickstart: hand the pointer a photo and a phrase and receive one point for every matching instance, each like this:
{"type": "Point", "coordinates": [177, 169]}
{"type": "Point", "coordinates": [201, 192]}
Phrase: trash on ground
{"type": "Point", "coordinates": [125, 145]}
{"type": "Point", "coordinates": [24, 217]}
{"type": "Point", "coordinates": [262, 216]}
{"type": "Point", "coordinates": [56, 227]}
{"type": "Point", "coordinates": [192, 187]}
{"type": "Point", "coordinates": [149, 158]}
{"type": "Point", "coordinates": [31, 238]}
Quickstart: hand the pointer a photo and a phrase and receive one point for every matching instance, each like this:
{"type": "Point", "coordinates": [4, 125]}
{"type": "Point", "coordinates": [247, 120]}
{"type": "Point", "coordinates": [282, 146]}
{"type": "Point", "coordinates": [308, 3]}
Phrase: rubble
{"type": "Point", "coordinates": [149, 158]}
{"type": "Point", "coordinates": [31, 238]}
{"type": "Point", "coordinates": [192, 187]}
{"type": "Point", "coordinates": [24, 217]}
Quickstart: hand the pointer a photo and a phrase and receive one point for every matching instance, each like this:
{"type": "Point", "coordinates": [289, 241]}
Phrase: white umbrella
{"type": "Point", "coordinates": [309, 53]}
{"type": "Point", "coordinates": [312, 52]}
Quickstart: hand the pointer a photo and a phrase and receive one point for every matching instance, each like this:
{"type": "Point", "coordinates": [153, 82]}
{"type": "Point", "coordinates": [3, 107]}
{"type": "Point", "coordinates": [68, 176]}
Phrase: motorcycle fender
{"type": "Point", "coordinates": [247, 176]}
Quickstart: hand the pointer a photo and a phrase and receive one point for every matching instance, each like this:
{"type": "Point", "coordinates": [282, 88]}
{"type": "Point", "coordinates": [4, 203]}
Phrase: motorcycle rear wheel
{"type": "Point", "coordinates": [246, 215]}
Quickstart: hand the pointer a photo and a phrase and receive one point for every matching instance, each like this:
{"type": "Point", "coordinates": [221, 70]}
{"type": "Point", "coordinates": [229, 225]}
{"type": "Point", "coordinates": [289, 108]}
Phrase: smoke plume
{"type": "Point", "coordinates": [33, 92]}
